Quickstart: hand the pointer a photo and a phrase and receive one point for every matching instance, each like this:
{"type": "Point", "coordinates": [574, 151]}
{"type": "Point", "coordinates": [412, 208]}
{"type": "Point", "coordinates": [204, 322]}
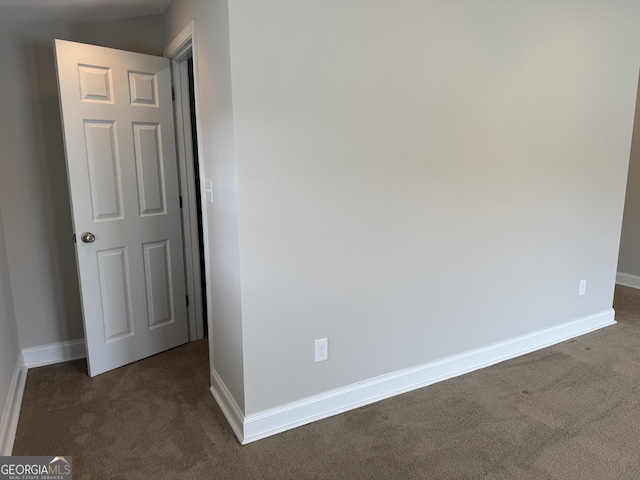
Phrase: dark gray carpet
{"type": "Point", "coordinates": [571, 411]}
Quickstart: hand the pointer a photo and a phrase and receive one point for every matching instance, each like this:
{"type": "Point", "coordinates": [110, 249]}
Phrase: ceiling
{"type": "Point", "coordinates": [20, 12]}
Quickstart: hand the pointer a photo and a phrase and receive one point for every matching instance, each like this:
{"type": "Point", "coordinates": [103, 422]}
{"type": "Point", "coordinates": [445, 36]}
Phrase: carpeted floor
{"type": "Point", "coordinates": [571, 411]}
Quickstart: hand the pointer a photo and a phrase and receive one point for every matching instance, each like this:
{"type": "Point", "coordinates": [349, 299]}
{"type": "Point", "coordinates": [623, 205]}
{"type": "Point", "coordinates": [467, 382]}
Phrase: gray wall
{"type": "Point", "coordinates": [9, 349]}
{"type": "Point", "coordinates": [629, 260]}
{"type": "Point", "coordinates": [410, 179]}
{"type": "Point", "coordinates": [217, 155]}
{"type": "Point", "coordinates": [33, 182]}
{"type": "Point", "coordinates": [418, 179]}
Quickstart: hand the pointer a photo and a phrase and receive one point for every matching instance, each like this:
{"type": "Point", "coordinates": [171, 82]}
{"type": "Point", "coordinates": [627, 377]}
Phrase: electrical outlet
{"type": "Point", "coordinates": [322, 349]}
{"type": "Point", "coordinates": [583, 287]}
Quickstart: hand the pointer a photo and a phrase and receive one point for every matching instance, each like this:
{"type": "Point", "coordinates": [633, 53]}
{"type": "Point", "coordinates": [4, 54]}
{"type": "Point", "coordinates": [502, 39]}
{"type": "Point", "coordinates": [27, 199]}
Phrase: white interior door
{"type": "Point", "coordinates": [121, 162]}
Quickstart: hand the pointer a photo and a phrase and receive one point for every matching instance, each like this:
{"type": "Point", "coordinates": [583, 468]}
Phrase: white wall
{"type": "Point", "coordinates": [217, 157]}
{"type": "Point", "coordinates": [417, 179]}
{"type": "Point", "coordinates": [33, 184]}
{"type": "Point", "coordinates": [629, 260]}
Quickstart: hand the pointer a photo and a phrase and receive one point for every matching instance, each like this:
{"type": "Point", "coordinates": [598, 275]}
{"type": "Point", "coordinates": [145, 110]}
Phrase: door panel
{"type": "Point", "coordinates": [143, 88]}
{"type": "Point", "coordinates": [151, 184]}
{"type": "Point", "coordinates": [115, 294]}
{"type": "Point", "coordinates": [118, 126]}
{"type": "Point", "coordinates": [159, 284]}
{"type": "Point", "coordinates": [96, 84]}
{"type": "Point", "coordinates": [104, 170]}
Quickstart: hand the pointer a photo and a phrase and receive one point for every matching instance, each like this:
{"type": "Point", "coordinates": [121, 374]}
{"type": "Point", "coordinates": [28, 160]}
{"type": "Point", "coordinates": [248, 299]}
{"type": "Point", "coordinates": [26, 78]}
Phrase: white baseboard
{"type": "Point", "coordinates": [9, 421]}
{"type": "Point", "coordinates": [228, 405]}
{"type": "Point", "coordinates": [53, 353]}
{"type": "Point", "coordinates": [29, 358]}
{"type": "Point", "coordinates": [269, 422]}
{"type": "Point", "coordinates": [628, 280]}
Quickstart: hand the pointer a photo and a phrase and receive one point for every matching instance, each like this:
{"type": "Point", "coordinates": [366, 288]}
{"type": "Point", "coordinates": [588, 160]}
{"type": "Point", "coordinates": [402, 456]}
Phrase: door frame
{"type": "Point", "coordinates": [179, 51]}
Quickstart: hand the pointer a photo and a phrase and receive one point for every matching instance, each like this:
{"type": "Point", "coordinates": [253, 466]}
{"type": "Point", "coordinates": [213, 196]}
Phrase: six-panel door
{"type": "Point", "coordinates": [119, 139]}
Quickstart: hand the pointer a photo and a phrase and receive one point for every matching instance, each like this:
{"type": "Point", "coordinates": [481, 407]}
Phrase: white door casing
{"type": "Point", "coordinates": [179, 51]}
{"type": "Point", "coordinates": [119, 141]}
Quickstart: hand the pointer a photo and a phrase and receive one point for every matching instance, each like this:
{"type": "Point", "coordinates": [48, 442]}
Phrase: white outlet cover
{"type": "Point", "coordinates": [321, 349]}
{"type": "Point", "coordinates": [582, 289]}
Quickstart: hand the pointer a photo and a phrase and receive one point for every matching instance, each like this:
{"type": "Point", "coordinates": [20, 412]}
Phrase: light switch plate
{"type": "Point", "coordinates": [208, 191]}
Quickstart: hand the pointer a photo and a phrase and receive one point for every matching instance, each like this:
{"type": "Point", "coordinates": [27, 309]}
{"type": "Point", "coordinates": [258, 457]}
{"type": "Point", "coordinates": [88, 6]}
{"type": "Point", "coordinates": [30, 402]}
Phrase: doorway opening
{"type": "Point", "coordinates": [198, 194]}
{"type": "Point", "coordinates": [185, 92]}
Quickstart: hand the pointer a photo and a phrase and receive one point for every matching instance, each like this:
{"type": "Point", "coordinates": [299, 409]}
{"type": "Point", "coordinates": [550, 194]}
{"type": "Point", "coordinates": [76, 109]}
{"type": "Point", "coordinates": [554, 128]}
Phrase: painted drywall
{"type": "Point", "coordinates": [217, 158]}
{"type": "Point", "coordinates": [629, 260]}
{"type": "Point", "coordinates": [418, 179]}
{"type": "Point", "coordinates": [33, 183]}
{"type": "Point", "coordinates": [9, 348]}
